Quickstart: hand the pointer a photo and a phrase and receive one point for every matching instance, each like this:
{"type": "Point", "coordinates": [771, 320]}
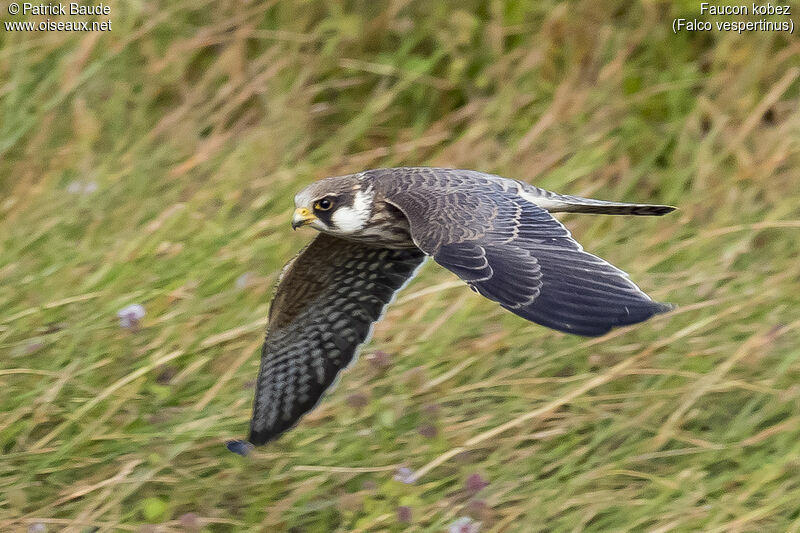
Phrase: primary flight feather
{"type": "Point", "coordinates": [377, 227]}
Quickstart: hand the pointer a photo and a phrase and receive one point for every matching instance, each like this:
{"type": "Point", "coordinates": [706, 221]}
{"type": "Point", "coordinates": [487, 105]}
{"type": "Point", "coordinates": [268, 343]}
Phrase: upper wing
{"type": "Point", "coordinates": [515, 253]}
{"type": "Point", "coordinates": [325, 304]}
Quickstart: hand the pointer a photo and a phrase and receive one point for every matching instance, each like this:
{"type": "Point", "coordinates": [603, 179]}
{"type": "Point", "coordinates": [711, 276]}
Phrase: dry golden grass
{"type": "Point", "coordinates": [156, 164]}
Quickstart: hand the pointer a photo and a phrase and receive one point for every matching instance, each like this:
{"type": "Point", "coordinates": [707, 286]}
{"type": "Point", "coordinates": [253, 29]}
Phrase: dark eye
{"type": "Point", "coordinates": [324, 204]}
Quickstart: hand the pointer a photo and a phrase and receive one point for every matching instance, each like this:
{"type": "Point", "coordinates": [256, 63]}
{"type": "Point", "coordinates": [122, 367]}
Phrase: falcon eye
{"type": "Point", "coordinates": [324, 204]}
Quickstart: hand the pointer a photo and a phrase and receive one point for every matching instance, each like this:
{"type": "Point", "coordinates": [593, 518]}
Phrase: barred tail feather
{"type": "Point", "coordinates": [576, 204]}
{"type": "Point", "coordinates": [564, 203]}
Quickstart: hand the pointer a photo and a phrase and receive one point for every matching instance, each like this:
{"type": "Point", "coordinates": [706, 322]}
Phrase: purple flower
{"type": "Point", "coordinates": [404, 514]}
{"type": "Point", "coordinates": [427, 430]}
{"type": "Point", "coordinates": [380, 360]}
{"type": "Point", "coordinates": [130, 316]}
{"type": "Point", "coordinates": [357, 400]}
{"type": "Point", "coordinates": [405, 475]}
{"type": "Point", "coordinates": [464, 524]}
{"type": "Point", "coordinates": [190, 521]}
{"type": "Point", "coordinates": [474, 483]}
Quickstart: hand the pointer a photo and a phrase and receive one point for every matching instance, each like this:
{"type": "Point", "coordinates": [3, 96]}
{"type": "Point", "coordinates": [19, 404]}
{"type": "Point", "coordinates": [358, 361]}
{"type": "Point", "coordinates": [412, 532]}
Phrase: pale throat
{"type": "Point", "coordinates": [353, 219]}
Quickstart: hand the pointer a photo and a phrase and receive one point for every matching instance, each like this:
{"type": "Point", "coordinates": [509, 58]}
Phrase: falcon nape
{"type": "Point", "coordinates": [378, 227]}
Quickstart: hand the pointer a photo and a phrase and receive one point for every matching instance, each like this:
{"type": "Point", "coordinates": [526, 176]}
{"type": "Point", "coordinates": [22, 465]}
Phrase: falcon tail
{"type": "Point", "coordinates": [576, 204]}
{"type": "Point", "coordinates": [564, 203]}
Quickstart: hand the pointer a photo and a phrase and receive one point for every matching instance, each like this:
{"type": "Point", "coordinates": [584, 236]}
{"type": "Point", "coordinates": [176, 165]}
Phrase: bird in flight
{"type": "Point", "coordinates": [378, 227]}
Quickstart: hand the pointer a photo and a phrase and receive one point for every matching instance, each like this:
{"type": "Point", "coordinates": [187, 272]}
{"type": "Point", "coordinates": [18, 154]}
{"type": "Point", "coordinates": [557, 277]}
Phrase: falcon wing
{"type": "Point", "coordinates": [326, 301]}
{"type": "Point", "coordinates": [515, 253]}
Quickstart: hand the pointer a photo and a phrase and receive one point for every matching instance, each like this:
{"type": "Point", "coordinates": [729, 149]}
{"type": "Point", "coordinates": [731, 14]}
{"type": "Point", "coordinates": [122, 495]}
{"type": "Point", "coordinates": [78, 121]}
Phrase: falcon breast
{"type": "Point", "coordinates": [376, 229]}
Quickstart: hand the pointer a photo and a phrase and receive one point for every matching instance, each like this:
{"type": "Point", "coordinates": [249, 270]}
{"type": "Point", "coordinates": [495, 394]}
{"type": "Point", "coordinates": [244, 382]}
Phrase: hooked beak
{"type": "Point", "coordinates": [302, 217]}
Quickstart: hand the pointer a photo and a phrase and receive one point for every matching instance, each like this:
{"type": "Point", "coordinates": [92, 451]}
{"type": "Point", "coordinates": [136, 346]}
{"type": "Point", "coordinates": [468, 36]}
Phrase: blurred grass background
{"type": "Point", "coordinates": [156, 164]}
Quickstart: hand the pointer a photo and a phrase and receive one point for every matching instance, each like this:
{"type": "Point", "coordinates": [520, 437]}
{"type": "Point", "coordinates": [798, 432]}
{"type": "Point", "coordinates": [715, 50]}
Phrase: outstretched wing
{"type": "Point", "coordinates": [326, 301]}
{"type": "Point", "coordinates": [515, 253]}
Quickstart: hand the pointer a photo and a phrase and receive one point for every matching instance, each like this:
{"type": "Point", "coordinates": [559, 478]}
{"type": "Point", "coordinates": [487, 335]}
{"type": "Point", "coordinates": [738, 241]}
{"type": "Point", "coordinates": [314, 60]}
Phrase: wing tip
{"type": "Point", "coordinates": [656, 308]}
{"type": "Point", "coordinates": [239, 447]}
{"type": "Point", "coordinates": [597, 326]}
{"type": "Point", "coordinates": [664, 307]}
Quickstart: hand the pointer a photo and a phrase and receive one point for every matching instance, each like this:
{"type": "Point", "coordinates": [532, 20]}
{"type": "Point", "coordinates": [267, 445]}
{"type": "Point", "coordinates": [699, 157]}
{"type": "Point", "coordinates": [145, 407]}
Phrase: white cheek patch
{"type": "Point", "coordinates": [351, 219]}
{"type": "Point", "coordinates": [348, 220]}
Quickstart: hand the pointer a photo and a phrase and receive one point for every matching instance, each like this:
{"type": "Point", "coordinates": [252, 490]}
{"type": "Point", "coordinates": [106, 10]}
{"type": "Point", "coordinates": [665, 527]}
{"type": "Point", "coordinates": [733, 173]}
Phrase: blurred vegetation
{"type": "Point", "coordinates": [156, 164]}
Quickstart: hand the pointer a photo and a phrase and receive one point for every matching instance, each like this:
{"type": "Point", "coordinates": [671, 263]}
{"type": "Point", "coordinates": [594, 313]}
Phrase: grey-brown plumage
{"type": "Point", "coordinates": [326, 302]}
{"type": "Point", "coordinates": [377, 228]}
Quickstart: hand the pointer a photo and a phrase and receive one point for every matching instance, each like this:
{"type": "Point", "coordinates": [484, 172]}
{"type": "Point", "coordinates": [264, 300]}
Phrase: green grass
{"type": "Point", "coordinates": [199, 121]}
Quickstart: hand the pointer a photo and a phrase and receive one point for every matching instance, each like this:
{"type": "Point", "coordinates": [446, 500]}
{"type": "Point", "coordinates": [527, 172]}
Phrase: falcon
{"type": "Point", "coordinates": [379, 226]}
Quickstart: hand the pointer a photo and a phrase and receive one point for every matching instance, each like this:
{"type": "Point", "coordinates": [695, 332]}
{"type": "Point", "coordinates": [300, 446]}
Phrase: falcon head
{"type": "Point", "coordinates": [337, 205]}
